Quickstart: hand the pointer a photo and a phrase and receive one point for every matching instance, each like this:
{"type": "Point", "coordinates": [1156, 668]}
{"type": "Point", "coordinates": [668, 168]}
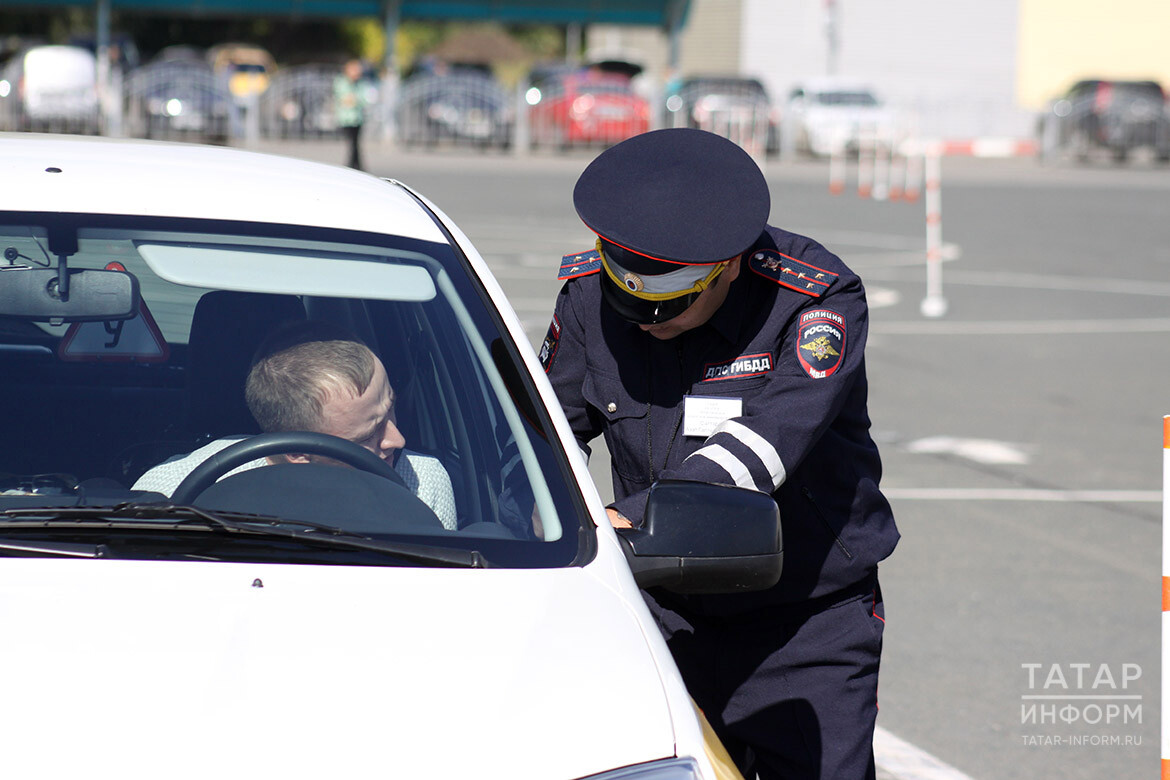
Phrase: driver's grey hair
{"type": "Point", "coordinates": [286, 390]}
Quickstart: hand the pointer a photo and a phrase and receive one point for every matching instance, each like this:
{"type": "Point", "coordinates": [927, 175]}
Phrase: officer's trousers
{"type": "Point", "coordinates": [791, 690]}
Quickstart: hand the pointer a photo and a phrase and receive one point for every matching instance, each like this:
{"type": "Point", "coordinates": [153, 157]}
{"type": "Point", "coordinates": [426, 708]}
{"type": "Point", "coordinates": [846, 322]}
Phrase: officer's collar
{"type": "Point", "coordinates": [729, 318]}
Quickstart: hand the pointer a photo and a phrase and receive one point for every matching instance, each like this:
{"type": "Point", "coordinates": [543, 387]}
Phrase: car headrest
{"type": "Point", "coordinates": [226, 329]}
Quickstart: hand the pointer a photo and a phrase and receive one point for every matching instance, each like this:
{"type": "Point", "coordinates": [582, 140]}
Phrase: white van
{"type": "Point", "coordinates": [52, 88]}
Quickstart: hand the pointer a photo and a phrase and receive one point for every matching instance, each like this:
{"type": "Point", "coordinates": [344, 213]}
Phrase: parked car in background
{"type": "Point", "coordinates": [1116, 117]}
{"type": "Point", "coordinates": [735, 107]}
{"type": "Point", "coordinates": [344, 623]}
{"type": "Point", "coordinates": [246, 68]}
{"type": "Point", "coordinates": [590, 107]}
{"type": "Point", "coordinates": [50, 88]}
{"type": "Point", "coordinates": [463, 106]}
{"type": "Point", "coordinates": [299, 103]}
{"type": "Point", "coordinates": [826, 115]}
{"type": "Point", "coordinates": [177, 97]}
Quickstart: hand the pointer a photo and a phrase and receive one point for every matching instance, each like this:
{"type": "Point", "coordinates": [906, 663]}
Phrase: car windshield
{"type": "Point", "coordinates": [738, 87]}
{"type": "Point", "coordinates": [612, 87]}
{"type": "Point", "coordinates": [846, 98]}
{"type": "Point", "coordinates": [108, 421]}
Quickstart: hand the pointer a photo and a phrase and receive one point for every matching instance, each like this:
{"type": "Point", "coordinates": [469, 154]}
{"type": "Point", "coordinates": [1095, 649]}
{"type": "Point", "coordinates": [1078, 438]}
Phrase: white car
{"type": "Point", "coordinates": [825, 116]}
{"type": "Point", "coordinates": [307, 620]}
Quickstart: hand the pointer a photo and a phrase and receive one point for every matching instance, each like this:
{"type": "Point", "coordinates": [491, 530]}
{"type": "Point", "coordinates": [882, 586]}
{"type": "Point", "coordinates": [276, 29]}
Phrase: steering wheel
{"type": "Point", "coordinates": [206, 473]}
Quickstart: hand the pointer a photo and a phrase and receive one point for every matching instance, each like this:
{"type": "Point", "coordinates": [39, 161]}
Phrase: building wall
{"type": "Point", "coordinates": [1062, 41]}
{"type": "Point", "coordinates": [709, 43]}
{"type": "Point", "coordinates": [957, 69]}
{"type": "Point", "coordinates": [949, 66]}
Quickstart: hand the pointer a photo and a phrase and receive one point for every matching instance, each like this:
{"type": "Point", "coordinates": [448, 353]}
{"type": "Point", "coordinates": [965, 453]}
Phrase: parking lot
{"type": "Point", "coordinates": [1019, 432]}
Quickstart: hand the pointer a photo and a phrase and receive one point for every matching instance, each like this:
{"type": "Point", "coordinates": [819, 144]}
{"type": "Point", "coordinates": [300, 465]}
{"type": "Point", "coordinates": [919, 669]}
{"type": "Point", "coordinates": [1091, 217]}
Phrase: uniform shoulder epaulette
{"type": "Point", "coordinates": [580, 264]}
{"type": "Point", "coordinates": [792, 273]}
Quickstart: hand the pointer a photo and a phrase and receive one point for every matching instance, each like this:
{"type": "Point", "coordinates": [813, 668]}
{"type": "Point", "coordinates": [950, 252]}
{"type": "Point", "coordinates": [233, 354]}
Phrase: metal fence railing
{"type": "Point", "coordinates": [181, 98]}
{"type": "Point", "coordinates": [458, 109]}
{"type": "Point", "coordinates": [178, 100]}
{"type": "Point", "coordinates": [737, 109]}
{"type": "Point", "coordinates": [583, 110]}
{"type": "Point", "coordinates": [299, 103]}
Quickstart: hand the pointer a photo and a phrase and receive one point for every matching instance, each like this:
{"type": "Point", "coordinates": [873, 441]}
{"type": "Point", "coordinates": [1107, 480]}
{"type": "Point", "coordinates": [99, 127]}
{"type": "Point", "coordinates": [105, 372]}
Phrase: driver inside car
{"type": "Point", "coordinates": [311, 376]}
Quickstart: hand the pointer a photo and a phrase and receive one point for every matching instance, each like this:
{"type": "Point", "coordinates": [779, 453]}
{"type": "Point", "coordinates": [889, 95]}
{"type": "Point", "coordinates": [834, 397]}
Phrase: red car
{"type": "Point", "coordinates": [586, 108]}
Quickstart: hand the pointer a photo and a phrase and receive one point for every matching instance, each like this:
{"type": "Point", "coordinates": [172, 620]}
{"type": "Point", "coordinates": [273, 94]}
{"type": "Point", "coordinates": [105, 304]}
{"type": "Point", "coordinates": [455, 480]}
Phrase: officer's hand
{"type": "Point", "coordinates": [617, 519]}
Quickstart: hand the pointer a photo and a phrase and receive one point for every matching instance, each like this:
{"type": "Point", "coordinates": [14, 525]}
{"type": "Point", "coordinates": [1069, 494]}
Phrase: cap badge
{"type": "Point", "coordinates": [633, 282]}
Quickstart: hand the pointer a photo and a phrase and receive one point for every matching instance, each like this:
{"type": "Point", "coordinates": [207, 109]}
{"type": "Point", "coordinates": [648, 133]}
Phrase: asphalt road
{"type": "Point", "coordinates": [1020, 434]}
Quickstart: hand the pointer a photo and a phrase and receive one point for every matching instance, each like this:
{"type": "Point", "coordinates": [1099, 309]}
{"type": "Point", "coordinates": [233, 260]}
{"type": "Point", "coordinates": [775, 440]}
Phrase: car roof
{"type": "Point", "coordinates": [79, 174]}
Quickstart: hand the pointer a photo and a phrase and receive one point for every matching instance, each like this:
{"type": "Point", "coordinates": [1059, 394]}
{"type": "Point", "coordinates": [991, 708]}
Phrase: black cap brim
{"type": "Point", "coordinates": [641, 311]}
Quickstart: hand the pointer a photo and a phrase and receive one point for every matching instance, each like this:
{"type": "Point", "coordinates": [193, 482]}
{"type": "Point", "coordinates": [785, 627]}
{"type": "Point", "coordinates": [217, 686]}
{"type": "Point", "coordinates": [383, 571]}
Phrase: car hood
{"type": "Point", "coordinates": [239, 670]}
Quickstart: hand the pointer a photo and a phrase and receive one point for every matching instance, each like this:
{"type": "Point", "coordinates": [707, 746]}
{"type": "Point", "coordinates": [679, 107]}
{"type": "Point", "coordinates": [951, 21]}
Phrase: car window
{"type": "Point", "coordinates": [91, 409]}
{"type": "Point", "coordinates": [1138, 91]}
{"type": "Point", "coordinates": [247, 67]}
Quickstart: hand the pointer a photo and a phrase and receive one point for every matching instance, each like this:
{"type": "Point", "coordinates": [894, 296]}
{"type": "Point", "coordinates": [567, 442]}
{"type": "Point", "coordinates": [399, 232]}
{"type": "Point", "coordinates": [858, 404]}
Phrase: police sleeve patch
{"type": "Point", "coordinates": [740, 368]}
{"type": "Point", "coordinates": [548, 350]}
{"type": "Point", "coordinates": [579, 264]}
{"type": "Point", "coordinates": [820, 342]}
{"type": "Point", "coordinates": [792, 273]}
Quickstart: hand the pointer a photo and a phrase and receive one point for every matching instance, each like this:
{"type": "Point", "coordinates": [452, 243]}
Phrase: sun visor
{"type": "Point", "coordinates": [264, 270]}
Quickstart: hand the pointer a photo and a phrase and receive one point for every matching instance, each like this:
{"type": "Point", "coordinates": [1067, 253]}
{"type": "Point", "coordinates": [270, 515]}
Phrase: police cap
{"type": "Point", "coordinates": [664, 204]}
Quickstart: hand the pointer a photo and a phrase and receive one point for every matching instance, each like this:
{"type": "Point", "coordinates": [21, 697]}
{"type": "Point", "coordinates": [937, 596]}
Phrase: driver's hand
{"type": "Point", "coordinates": [617, 519]}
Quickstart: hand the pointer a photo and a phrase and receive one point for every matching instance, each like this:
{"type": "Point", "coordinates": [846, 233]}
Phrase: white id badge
{"type": "Point", "coordinates": [702, 414]}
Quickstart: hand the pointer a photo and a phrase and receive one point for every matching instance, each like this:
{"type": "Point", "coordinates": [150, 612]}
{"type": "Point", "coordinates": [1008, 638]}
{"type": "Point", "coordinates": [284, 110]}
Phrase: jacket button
{"type": "Point", "coordinates": [611, 408]}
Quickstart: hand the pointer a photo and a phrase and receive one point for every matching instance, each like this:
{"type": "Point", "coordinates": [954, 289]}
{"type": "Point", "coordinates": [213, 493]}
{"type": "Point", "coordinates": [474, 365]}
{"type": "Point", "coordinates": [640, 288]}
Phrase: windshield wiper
{"type": "Point", "coordinates": [66, 549]}
{"type": "Point", "coordinates": [146, 516]}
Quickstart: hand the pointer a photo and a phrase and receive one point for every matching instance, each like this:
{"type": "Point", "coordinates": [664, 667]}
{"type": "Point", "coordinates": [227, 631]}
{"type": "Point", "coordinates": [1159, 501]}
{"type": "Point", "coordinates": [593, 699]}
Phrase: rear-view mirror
{"type": "Point", "coordinates": [91, 295]}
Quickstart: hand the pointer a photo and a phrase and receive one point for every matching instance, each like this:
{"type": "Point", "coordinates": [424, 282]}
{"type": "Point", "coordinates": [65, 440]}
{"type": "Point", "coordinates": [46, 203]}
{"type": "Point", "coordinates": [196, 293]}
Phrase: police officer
{"type": "Point", "coordinates": [705, 344]}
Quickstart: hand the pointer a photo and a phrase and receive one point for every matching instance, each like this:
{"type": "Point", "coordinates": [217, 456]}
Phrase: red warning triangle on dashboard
{"type": "Point", "coordinates": [136, 340]}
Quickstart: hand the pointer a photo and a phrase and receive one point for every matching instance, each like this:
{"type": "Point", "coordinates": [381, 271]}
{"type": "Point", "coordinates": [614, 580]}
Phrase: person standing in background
{"type": "Point", "coordinates": [349, 97]}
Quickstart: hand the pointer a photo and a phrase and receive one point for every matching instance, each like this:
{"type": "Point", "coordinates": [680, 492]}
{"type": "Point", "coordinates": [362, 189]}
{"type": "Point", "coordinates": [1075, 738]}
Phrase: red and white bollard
{"type": "Point", "coordinates": [881, 165]}
{"type": "Point", "coordinates": [837, 169]}
{"type": "Point", "coordinates": [934, 304]}
{"type": "Point", "coordinates": [1165, 596]}
{"type": "Point", "coordinates": [897, 172]}
{"type": "Point", "coordinates": [912, 186]}
{"type": "Point", "coordinates": [865, 149]}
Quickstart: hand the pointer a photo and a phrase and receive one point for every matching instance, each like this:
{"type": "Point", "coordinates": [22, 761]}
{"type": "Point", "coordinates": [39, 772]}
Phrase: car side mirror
{"type": "Point", "coordinates": [702, 538]}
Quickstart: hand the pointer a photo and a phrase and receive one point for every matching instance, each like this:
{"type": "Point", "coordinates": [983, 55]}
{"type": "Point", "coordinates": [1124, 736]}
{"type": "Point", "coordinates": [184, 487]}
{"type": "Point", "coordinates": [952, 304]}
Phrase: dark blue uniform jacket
{"type": "Point", "coordinates": [789, 341]}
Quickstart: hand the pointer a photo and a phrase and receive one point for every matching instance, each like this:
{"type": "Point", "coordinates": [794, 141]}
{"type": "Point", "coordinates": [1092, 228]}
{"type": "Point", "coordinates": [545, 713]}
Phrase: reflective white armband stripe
{"type": "Point", "coordinates": [511, 464]}
{"type": "Point", "coordinates": [760, 446]}
{"type": "Point", "coordinates": [728, 462]}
